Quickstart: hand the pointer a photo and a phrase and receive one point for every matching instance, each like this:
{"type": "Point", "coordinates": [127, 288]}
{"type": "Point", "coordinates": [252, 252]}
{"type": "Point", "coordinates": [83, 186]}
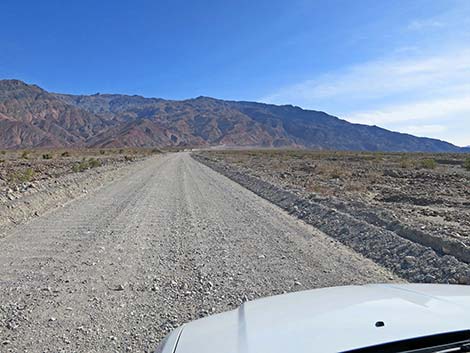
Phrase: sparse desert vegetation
{"type": "Point", "coordinates": [124, 249]}
{"type": "Point", "coordinates": [85, 164]}
{"type": "Point", "coordinates": [430, 192]}
{"type": "Point", "coordinates": [466, 164]}
{"type": "Point", "coordinates": [23, 169]}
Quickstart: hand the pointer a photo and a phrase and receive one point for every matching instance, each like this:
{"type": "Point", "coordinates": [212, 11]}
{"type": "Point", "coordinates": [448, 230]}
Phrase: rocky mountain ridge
{"type": "Point", "coordinates": [32, 117]}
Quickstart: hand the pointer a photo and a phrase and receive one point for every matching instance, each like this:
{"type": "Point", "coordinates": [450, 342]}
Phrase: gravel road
{"type": "Point", "coordinates": [170, 242]}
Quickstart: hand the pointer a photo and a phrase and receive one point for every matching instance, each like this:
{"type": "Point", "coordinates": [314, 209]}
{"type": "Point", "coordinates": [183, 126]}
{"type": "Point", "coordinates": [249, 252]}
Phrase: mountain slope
{"type": "Point", "coordinates": [319, 130]}
{"type": "Point", "coordinates": [194, 122]}
{"type": "Point", "coordinates": [33, 117]}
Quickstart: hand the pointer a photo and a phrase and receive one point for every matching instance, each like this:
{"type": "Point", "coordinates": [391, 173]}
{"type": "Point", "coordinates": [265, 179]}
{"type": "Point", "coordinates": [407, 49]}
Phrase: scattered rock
{"type": "Point", "coordinates": [409, 260]}
{"type": "Point", "coordinates": [374, 232]}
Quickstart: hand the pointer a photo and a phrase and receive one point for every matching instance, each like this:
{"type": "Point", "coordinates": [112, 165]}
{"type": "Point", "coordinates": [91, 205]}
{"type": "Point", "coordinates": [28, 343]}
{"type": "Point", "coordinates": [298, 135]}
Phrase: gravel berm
{"type": "Point", "coordinates": [404, 251]}
{"type": "Point", "coordinates": [172, 241]}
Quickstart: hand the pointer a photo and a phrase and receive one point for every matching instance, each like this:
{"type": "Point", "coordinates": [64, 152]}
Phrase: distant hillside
{"type": "Point", "coordinates": [33, 117]}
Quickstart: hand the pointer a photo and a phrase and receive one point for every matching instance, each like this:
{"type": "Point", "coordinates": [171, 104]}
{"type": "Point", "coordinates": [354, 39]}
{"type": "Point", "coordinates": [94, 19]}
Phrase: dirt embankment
{"type": "Point", "coordinates": [409, 213]}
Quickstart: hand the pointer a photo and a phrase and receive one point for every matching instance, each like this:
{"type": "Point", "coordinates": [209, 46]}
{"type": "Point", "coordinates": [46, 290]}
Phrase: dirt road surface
{"type": "Point", "coordinates": [172, 241]}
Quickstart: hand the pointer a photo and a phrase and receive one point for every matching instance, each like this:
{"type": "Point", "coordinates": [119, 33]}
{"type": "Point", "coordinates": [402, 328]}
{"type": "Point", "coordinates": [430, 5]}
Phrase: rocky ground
{"type": "Point", "coordinates": [168, 241]}
{"type": "Point", "coordinates": [33, 182]}
{"type": "Point", "coordinates": [420, 201]}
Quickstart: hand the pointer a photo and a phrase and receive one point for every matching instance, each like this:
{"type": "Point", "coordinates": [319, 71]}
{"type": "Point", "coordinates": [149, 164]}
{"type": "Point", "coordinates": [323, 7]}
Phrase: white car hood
{"type": "Point", "coordinates": [331, 320]}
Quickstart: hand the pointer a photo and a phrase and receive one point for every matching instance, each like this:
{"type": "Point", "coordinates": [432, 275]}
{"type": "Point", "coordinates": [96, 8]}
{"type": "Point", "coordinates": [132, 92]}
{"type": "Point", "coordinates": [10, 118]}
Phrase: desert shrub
{"type": "Point", "coordinates": [128, 158]}
{"type": "Point", "coordinates": [27, 175]}
{"type": "Point", "coordinates": [428, 164]}
{"type": "Point", "coordinates": [102, 152]}
{"type": "Point", "coordinates": [379, 155]}
{"type": "Point", "coordinates": [93, 163]}
{"type": "Point", "coordinates": [334, 172]}
{"type": "Point", "coordinates": [24, 155]}
{"type": "Point", "coordinates": [47, 156]}
{"type": "Point", "coordinates": [2, 161]}
{"type": "Point", "coordinates": [85, 164]}
{"type": "Point", "coordinates": [466, 164]}
{"type": "Point", "coordinates": [22, 176]}
{"type": "Point", "coordinates": [121, 151]}
{"type": "Point", "coordinates": [3, 152]}
{"type": "Point", "coordinates": [81, 166]}
{"type": "Point", "coordinates": [65, 154]}
{"type": "Point", "coordinates": [156, 150]}
{"type": "Point", "coordinates": [405, 162]}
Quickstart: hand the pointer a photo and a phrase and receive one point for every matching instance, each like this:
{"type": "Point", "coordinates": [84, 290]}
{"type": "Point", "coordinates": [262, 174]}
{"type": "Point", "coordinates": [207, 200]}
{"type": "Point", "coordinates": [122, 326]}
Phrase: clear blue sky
{"type": "Point", "coordinates": [392, 63]}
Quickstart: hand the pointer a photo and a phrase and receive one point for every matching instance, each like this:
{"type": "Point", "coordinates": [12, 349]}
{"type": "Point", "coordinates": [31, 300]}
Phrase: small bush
{"type": "Point", "coordinates": [335, 173]}
{"type": "Point", "coordinates": [27, 175]}
{"type": "Point", "coordinates": [47, 156]}
{"type": "Point", "coordinates": [22, 176]}
{"type": "Point", "coordinates": [80, 167]}
{"type": "Point", "coordinates": [428, 163]}
{"type": "Point", "coordinates": [121, 151]}
{"type": "Point", "coordinates": [379, 156]}
{"type": "Point", "coordinates": [3, 152]}
{"type": "Point", "coordinates": [405, 163]}
{"type": "Point", "coordinates": [24, 155]}
{"type": "Point", "coordinates": [93, 163]}
{"type": "Point", "coordinates": [466, 164]}
{"type": "Point", "coordinates": [102, 152]}
{"type": "Point", "coordinates": [156, 150]}
{"type": "Point", "coordinates": [128, 158]}
{"type": "Point", "coordinates": [65, 154]}
{"type": "Point", "coordinates": [2, 161]}
{"type": "Point", "coordinates": [86, 164]}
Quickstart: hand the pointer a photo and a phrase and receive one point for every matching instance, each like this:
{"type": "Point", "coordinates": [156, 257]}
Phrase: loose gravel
{"type": "Point", "coordinates": [35, 198]}
{"type": "Point", "coordinates": [406, 253]}
{"type": "Point", "coordinates": [170, 241]}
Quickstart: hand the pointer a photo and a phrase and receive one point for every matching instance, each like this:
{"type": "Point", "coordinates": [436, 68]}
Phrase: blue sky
{"type": "Point", "coordinates": [403, 65]}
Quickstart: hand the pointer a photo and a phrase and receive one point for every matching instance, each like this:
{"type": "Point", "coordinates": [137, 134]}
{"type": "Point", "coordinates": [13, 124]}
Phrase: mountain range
{"type": "Point", "coordinates": [32, 117]}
